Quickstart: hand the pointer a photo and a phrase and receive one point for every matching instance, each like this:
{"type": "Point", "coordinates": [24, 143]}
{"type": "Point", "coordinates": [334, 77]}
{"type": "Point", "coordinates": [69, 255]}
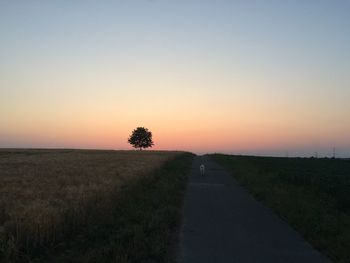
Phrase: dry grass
{"type": "Point", "coordinates": [47, 194]}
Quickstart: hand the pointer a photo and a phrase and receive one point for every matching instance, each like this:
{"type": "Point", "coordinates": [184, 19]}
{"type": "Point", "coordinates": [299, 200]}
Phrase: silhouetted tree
{"type": "Point", "coordinates": [141, 138]}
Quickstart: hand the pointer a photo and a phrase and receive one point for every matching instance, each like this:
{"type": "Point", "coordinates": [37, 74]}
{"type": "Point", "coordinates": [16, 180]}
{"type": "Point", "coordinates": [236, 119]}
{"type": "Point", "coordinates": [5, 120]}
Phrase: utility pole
{"type": "Point", "coordinates": [333, 152]}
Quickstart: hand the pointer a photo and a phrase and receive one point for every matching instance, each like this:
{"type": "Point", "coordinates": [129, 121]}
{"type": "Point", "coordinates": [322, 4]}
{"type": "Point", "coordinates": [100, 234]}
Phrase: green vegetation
{"type": "Point", "coordinates": [141, 138]}
{"type": "Point", "coordinates": [313, 195]}
{"type": "Point", "coordinates": [91, 206]}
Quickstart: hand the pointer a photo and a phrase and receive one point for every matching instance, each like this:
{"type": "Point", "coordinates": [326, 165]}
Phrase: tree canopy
{"type": "Point", "coordinates": [141, 138]}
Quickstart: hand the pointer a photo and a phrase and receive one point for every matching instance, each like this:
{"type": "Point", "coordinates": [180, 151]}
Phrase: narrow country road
{"type": "Point", "coordinates": [223, 223]}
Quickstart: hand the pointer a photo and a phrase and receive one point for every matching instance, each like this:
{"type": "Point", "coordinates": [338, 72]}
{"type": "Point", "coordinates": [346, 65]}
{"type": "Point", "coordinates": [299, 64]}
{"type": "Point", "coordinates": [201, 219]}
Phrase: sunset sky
{"type": "Point", "coordinates": [244, 77]}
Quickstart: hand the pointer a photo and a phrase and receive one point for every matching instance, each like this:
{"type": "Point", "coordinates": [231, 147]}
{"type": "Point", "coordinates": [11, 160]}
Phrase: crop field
{"type": "Point", "coordinates": [51, 196]}
{"type": "Point", "coordinates": [312, 195]}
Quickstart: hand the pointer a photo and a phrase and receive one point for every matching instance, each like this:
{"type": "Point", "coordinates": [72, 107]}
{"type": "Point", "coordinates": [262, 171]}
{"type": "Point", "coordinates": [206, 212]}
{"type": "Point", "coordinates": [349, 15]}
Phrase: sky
{"type": "Point", "coordinates": [240, 77]}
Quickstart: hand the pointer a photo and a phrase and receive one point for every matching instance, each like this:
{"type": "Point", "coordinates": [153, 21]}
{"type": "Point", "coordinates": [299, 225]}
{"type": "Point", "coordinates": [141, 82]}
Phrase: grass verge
{"type": "Point", "coordinates": [144, 224]}
{"type": "Point", "coordinates": [312, 195]}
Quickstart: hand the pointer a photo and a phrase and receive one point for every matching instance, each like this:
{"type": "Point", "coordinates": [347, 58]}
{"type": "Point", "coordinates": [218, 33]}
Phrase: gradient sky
{"type": "Point", "coordinates": [247, 77]}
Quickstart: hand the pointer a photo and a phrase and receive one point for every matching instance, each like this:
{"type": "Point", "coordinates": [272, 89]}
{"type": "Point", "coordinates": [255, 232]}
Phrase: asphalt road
{"type": "Point", "coordinates": [223, 223]}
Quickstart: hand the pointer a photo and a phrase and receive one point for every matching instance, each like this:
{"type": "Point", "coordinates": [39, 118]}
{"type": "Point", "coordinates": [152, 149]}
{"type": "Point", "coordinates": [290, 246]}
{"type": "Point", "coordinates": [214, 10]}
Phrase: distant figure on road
{"type": "Point", "coordinates": [202, 169]}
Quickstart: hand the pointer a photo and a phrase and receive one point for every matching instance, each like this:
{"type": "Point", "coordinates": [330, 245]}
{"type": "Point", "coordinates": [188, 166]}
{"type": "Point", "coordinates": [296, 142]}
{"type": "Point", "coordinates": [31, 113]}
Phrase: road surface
{"type": "Point", "coordinates": [222, 222]}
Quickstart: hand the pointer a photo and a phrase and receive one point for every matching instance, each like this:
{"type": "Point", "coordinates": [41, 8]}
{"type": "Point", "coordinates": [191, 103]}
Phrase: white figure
{"type": "Point", "coordinates": [202, 169]}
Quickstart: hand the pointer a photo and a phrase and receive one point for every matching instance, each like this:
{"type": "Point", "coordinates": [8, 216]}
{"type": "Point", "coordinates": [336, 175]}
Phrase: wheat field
{"type": "Point", "coordinates": [47, 194]}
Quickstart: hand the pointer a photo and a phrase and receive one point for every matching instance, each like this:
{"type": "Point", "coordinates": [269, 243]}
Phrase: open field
{"type": "Point", "coordinates": [313, 195]}
{"type": "Point", "coordinates": [54, 201]}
